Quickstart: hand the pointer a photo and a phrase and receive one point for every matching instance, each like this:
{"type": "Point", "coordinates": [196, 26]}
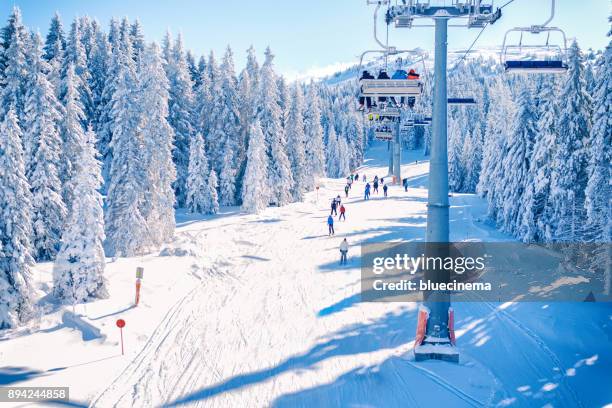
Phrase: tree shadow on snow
{"type": "Point", "coordinates": [125, 309]}
{"type": "Point", "coordinates": [11, 374]}
{"type": "Point", "coordinates": [390, 331]}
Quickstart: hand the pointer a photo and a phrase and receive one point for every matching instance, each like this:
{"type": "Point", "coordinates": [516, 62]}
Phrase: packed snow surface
{"type": "Point", "coordinates": [254, 310]}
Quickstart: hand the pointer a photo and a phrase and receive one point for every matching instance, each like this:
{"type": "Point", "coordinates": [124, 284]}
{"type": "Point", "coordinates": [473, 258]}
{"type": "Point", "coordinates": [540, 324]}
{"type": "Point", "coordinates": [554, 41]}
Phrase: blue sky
{"type": "Point", "coordinates": [304, 34]}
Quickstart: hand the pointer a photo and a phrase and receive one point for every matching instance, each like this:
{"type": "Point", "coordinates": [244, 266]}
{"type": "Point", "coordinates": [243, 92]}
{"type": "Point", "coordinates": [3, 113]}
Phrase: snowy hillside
{"type": "Point", "coordinates": [254, 310]}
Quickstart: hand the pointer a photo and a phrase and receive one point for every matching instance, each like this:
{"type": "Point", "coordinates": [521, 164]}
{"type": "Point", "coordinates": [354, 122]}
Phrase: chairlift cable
{"type": "Point", "coordinates": [477, 37]}
{"type": "Point", "coordinates": [470, 48]}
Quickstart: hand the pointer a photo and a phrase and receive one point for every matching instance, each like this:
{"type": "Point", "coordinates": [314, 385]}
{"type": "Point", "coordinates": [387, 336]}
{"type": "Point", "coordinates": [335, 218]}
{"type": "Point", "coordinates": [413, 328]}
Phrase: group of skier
{"type": "Point", "coordinates": [376, 182]}
{"type": "Point", "coordinates": [338, 207]}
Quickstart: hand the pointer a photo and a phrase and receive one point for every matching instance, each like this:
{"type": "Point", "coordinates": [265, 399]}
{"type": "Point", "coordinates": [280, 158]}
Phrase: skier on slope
{"type": "Point", "coordinates": [342, 213]}
{"type": "Point", "coordinates": [405, 184]}
{"type": "Point", "coordinates": [385, 188]}
{"type": "Point", "coordinates": [338, 200]}
{"type": "Point", "coordinates": [330, 225]}
{"type": "Point", "coordinates": [367, 191]}
{"type": "Point", "coordinates": [364, 178]}
{"type": "Point", "coordinates": [343, 251]}
{"type": "Point", "coordinates": [346, 190]}
{"type": "Point", "coordinates": [333, 207]}
{"type": "Point", "coordinates": [376, 186]}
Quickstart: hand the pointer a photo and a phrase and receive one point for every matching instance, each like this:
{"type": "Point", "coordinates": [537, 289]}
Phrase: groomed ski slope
{"type": "Point", "coordinates": [254, 310]}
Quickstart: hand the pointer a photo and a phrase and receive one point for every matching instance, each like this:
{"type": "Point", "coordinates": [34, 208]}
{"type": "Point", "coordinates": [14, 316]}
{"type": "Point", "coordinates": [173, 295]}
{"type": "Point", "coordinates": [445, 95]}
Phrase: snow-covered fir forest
{"type": "Point", "coordinates": [103, 135]}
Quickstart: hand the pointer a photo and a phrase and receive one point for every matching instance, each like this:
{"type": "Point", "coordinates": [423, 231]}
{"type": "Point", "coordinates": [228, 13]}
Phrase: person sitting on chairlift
{"type": "Point", "coordinates": [367, 100]}
{"type": "Point", "coordinates": [400, 74]}
{"type": "Point", "coordinates": [413, 75]}
{"type": "Point", "coordinates": [382, 75]}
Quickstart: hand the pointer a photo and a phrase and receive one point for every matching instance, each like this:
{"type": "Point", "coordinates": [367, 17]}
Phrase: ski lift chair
{"type": "Point", "coordinates": [535, 59]}
{"type": "Point", "coordinates": [383, 131]}
{"type": "Point", "coordinates": [391, 87]}
{"type": "Point", "coordinates": [385, 110]}
{"type": "Point", "coordinates": [385, 136]}
{"type": "Point", "coordinates": [461, 101]}
{"type": "Point", "coordinates": [388, 88]}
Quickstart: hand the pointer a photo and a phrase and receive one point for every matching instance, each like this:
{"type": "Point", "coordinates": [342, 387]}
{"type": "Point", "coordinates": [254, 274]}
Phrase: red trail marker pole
{"type": "Point", "coordinates": [121, 324]}
{"type": "Point", "coordinates": [139, 275]}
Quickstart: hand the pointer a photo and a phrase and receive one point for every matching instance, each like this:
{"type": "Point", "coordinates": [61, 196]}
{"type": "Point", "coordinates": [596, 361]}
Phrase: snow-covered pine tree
{"type": "Point", "coordinates": [314, 149]}
{"type": "Point", "coordinates": [496, 134]}
{"type": "Point", "coordinates": [78, 272]}
{"type": "Point", "coordinates": [598, 204]}
{"type": "Point", "coordinates": [137, 39]}
{"type": "Point", "coordinates": [284, 101]}
{"type": "Point", "coordinates": [158, 137]}
{"type": "Point", "coordinates": [15, 227]}
{"type": "Point", "coordinates": [536, 219]}
{"type": "Point", "coordinates": [13, 66]}
{"type": "Point", "coordinates": [103, 125]}
{"type": "Point", "coordinates": [296, 144]}
{"type": "Point", "coordinates": [99, 64]}
{"type": "Point", "coordinates": [180, 114]}
{"type": "Point", "coordinates": [76, 56]}
{"type": "Point", "coordinates": [202, 66]}
{"type": "Point", "coordinates": [71, 130]}
{"type": "Point", "coordinates": [55, 37]}
{"type": "Point", "coordinates": [194, 73]}
{"type": "Point", "coordinates": [212, 191]}
{"type": "Point", "coordinates": [569, 176]}
{"type": "Point", "coordinates": [227, 175]}
{"type": "Point", "coordinates": [246, 106]}
{"type": "Point", "coordinates": [227, 129]}
{"type": "Point", "coordinates": [472, 159]}
{"type": "Point", "coordinates": [200, 197]}
{"type": "Point", "coordinates": [55, 44]}
{"type": "Point", "coordinates": [456, 141]}
{"type": "Point", "coordinates": [43, 151]}
{"type": "Point", "coordinates": [90, 29]}
{"type": "Point", "coordinates": [252, 66]}
{"type": "Point", "coordinates": [280, 178]}
{"type": "Point", "coordinates": [355, 136]}
{"type": "Point", "coordinates": [202, 102]}
{"type": "Point", "coordinates": [214, 106]}
{"type": "Point", "coordinates": [255, 187]}
{"type": "Point", "coordinates": [343, 157]}
{"type": "Point", "coordinates": [515, 164]}
{"type": "Point", "coordinates": [125, 226]}
{"type": "Point", "coordinates": [332, 153]}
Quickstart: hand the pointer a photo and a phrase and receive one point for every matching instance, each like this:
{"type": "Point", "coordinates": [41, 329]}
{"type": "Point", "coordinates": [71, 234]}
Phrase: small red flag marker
{"type": "Point", "coordinates": [121, 324]}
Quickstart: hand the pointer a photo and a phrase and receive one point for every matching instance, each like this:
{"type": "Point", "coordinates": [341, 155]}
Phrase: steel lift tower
{"type": "Point", "coordinates": [438, 341]}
